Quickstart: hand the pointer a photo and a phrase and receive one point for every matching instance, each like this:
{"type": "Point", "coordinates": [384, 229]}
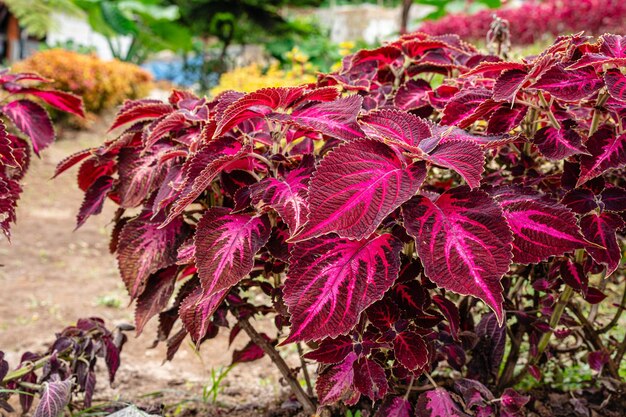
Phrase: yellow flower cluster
{"type": "Point", "coordinates": [101, 84]}
{"type": "Point", "coordinates": [253, 77]}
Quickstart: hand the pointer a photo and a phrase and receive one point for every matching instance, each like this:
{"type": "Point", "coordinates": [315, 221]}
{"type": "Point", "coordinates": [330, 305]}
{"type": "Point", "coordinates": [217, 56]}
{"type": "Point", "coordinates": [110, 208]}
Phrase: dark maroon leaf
{"type": "Point", "coordinates": [601, 229]}
{"type": "Point", "coordinates": [463, 105]}
{"type": "Point", "coordinates": [508, 84]}
{"type": "Point", "coordinates": [558, 144]}
{"type": "Point", "coordinates": [370, 379]}
{"type": "Point", "coordinates": [466, 158]}
{"type": "Point", "coordinates": [574, 275]}
{"type": "Point", "coordinates": [569, 85]}
{"type": "Point", "coordinates": [251, 352]}
{"type": "Point", "coordinates": [159, 289]}
{"type": "Point", "coordinates": [505, 119]}
{"type": "Point", "coordinates": [410, 350]}
{"type": "Point", "coordinates": [94, 199]}
{"type": "Point", "coordinates": [331, 350]}
{"type": "Point", "coordinates": [614, 199]}
{"type": "Point", "coordinates": [451, 312]}
{"type": "Point", "coordinates": [607, 151]}
{"type": "Point", "coordinates": [197, 310]}
{"type": "Point", "coordinates": [394, 407]}
{"type": "Point", "coordinates": [598, 359]}
{"type": "Point", "coordinates": [580, 200]}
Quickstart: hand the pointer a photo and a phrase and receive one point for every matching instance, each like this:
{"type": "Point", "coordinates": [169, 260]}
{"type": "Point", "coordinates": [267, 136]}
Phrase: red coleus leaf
{"type": "Point", "coordinates": [226, 244]}
{"type": "Point", "coordinates": [412, 95]}
{"type": "Point", "coordinates": [383, 314]}
{"type": "Point", "coordinates": [355, 187]}
{"type": "Point", "coordinates": [541, 227]}
{"type": "Point", "coordinates": [331, 281]}
{"type": "Point", "coordinates": [286, 195]}
{"type": "Point", "coordinates": [203, 167]}
{"type": "Point", "coordinates": [257, 104]}
{"type": "Point", "coordinates": [394, 407]}
{"type": "Point", "coordinates": [616, 84]}
{"type": "Point", "coordinates": [505, 119]}
{"type": "Point", "coordinates": [332, 350]}
{"type": "Point", "coordinates": [396, 127]}
{"type": "Point", "coordinates": [438, 403]}
{"type": "Point", "coordinates": [508, 84]}
{"type": "Point", "coordinates": [601, 229]}
{"type": "Point", "coordinates": [336, 118]}
{"type": "Point", "coordinates": [463, 105]}
{"type": "Point", "coordinates": [9, 194]}
{"type": "Point", "coordinates": [7, 156]}
{"type": "Point", "coordinates": [156, 296]}
{"type": "Point", "coordinates": [464, 242]}
{"type": "Point", "coordinates": [133, 111]}
{"type": "Point", "coordinates": [465, 158]}
{"type": "Point", "coordinates": [557, 144]}
{"type": "Point", "coordinates": [139, 174]}
{"type": "Point", "coordinates": [250, 352]}
{"type": "Point", "coordinates": [336, 383]}
{"type": "Point", "coordinates": [94, 199]}
{"type": "Point", "coordinates": [608, 151]}
{"type": "Point", "coordinates": [569, 85]}
{"type": "Point", "coordinates": [33, 120]}
{"type": "Point", "coordinates": [513, 403]}
{"type": "Point", "coordinates": [197, 310]}
{"type": "Point", "coordinates": [614, 199]}
{"type": "Point", "coordinates": [163, 127]}
{"type": "Point", "coordinates": [67, 102]}
{"type": "Point", "coordinates": [574, 275]}
{"type": "Point", "coordinates": [71, 160]}
{"type": "Point", "coordinates": [580, 200]}
{"type": "Point", "coordinates": [370, 379]}
{"type": "Point", "coordinates": [493, 67]}
{"type": "Point", "coordinates": [451, 312]}
{"type": "Point", "coordinates": [144, 248]}
{"type": "Point", "coordinates": [410, 350]}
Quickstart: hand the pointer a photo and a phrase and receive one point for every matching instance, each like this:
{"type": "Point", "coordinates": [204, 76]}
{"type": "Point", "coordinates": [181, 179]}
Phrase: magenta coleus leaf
{"type": "Point", "coordinates": [161, 128]}
{"type": "Point", "coordinates": [332, 350]}
{"type": "Point", "coordinates": [569, 85]}
{"type": "Point", "coordinates": [33, 120]}
{"type": "Point", "coordinates": [557, 144]}
{"type": "Point", "coordinates": [597, 359]}
{"type": "Point", "coordinates": [465, 158]}
{"type": "Point", "coordinates": [601, 229]}
{"type": "Point", "coordinates": [286, 195]}
{"type": "Point", "coordinates": [505, 119]}
{"type": "Point", "coordinates": [331, 281]}
{"type": "Point", "coordinates": [541, 227]}
{"type": "Point", "coordinates": [196, 312]}
{"type": "Point", "coordinates": [508, 84]}
{"type": "Point", "coordinates": [336, 383]}
{"type": "Point", "coordinates": [410, 350]}
{"type": "Point", "coordinates": [336, 118]}
{"type": "Point", "coordinates": [67, 102]}
{"type": "Point", "coordinates": [412, 95]}
{"type": "Point", "coordinates": [574, 275]}
{"type": "Point", "coordinates": [250, 352]}
{"type": "Point", "coordinates": [226, 244]}
{"type": "Point", "coordinates": [370, 379]}
{"type": "Point", "coordinates": [158, 291]}
{"type": "Point", "coordinates": [615, 84]}
{"type": "Point", "coordinates": [464, 242]}
{"type": "Point", "coordinates": [203, 167]}
{"type": "Point", "coordinates": [144, 248]}
{"type": "Point", "coordinates": [580, 200]}
{"type": "Point", "coordinates": [396, 127]}
{"type": "Point", "coordinates": [608, 151]}
{"type": "Point", "coordinates": [614, 199]}
{"type": "Point", "coordinates": [438, 403]}
{"type": "Point", "coordinates": [451, 312]}
{"type": "Point", "coordinates": [395, 407]}
{"type": "Point", "coordinates": [94, 199]}
{"type": "Point", "coordinates": [355, 187]}
{"type": "Point", "coordinates": [138, 110]}
{"type": "Point", "coordinates": [463, 105]}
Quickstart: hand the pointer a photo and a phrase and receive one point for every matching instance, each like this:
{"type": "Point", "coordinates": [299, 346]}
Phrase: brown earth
{"type": "Point", "coordinates": [52, 275]}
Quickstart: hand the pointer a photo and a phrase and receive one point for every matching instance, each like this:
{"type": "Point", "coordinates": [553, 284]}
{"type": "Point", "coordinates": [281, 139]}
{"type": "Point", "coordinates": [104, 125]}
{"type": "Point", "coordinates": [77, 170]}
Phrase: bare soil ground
{"type": "Point", "coordinates": [52, 275]}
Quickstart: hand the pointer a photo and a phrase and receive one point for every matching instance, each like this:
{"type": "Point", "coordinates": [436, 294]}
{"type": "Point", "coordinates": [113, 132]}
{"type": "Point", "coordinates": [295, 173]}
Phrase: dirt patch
{"type": "Point", "coordinates": [53, 275]}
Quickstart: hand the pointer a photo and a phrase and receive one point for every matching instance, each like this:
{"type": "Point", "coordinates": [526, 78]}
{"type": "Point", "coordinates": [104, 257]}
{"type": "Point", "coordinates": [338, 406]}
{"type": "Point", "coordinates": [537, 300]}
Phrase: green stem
{"type": "Point", "coordinates": [546, 106]}
{"type": "Point", "coordinates": [595, 120]}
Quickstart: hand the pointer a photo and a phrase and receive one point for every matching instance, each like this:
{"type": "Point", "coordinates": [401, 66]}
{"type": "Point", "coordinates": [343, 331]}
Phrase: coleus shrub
{"type": "Point", "coordinates": [27, 120]}
{"type": "Point", "coordinates": [397, 217]}
{"type": "Point", "coordinates": [67, 369]}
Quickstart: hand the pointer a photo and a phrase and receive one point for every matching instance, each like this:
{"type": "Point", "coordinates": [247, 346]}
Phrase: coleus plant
{"type": "Point", "coordinates": [26, 118]}
{"type": "Point", "coordinates": [65, 370]}
{"type": "Point", "coordinates": [411, 214]}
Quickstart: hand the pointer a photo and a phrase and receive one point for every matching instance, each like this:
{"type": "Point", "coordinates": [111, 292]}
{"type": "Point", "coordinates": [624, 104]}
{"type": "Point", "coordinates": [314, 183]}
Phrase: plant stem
{"type": "Point", "coordinates": [618, 313]}
{"type": "Point", "coordinates": [307, 378]}
{"type": "Point", "coordinates": [27, 368]}
{"type": "Point", "coordinates": [282, 366]}
{"type": "Point", "coordinates": [545, 104]}
{"type": "Point", "coordinates": [595, 120]}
